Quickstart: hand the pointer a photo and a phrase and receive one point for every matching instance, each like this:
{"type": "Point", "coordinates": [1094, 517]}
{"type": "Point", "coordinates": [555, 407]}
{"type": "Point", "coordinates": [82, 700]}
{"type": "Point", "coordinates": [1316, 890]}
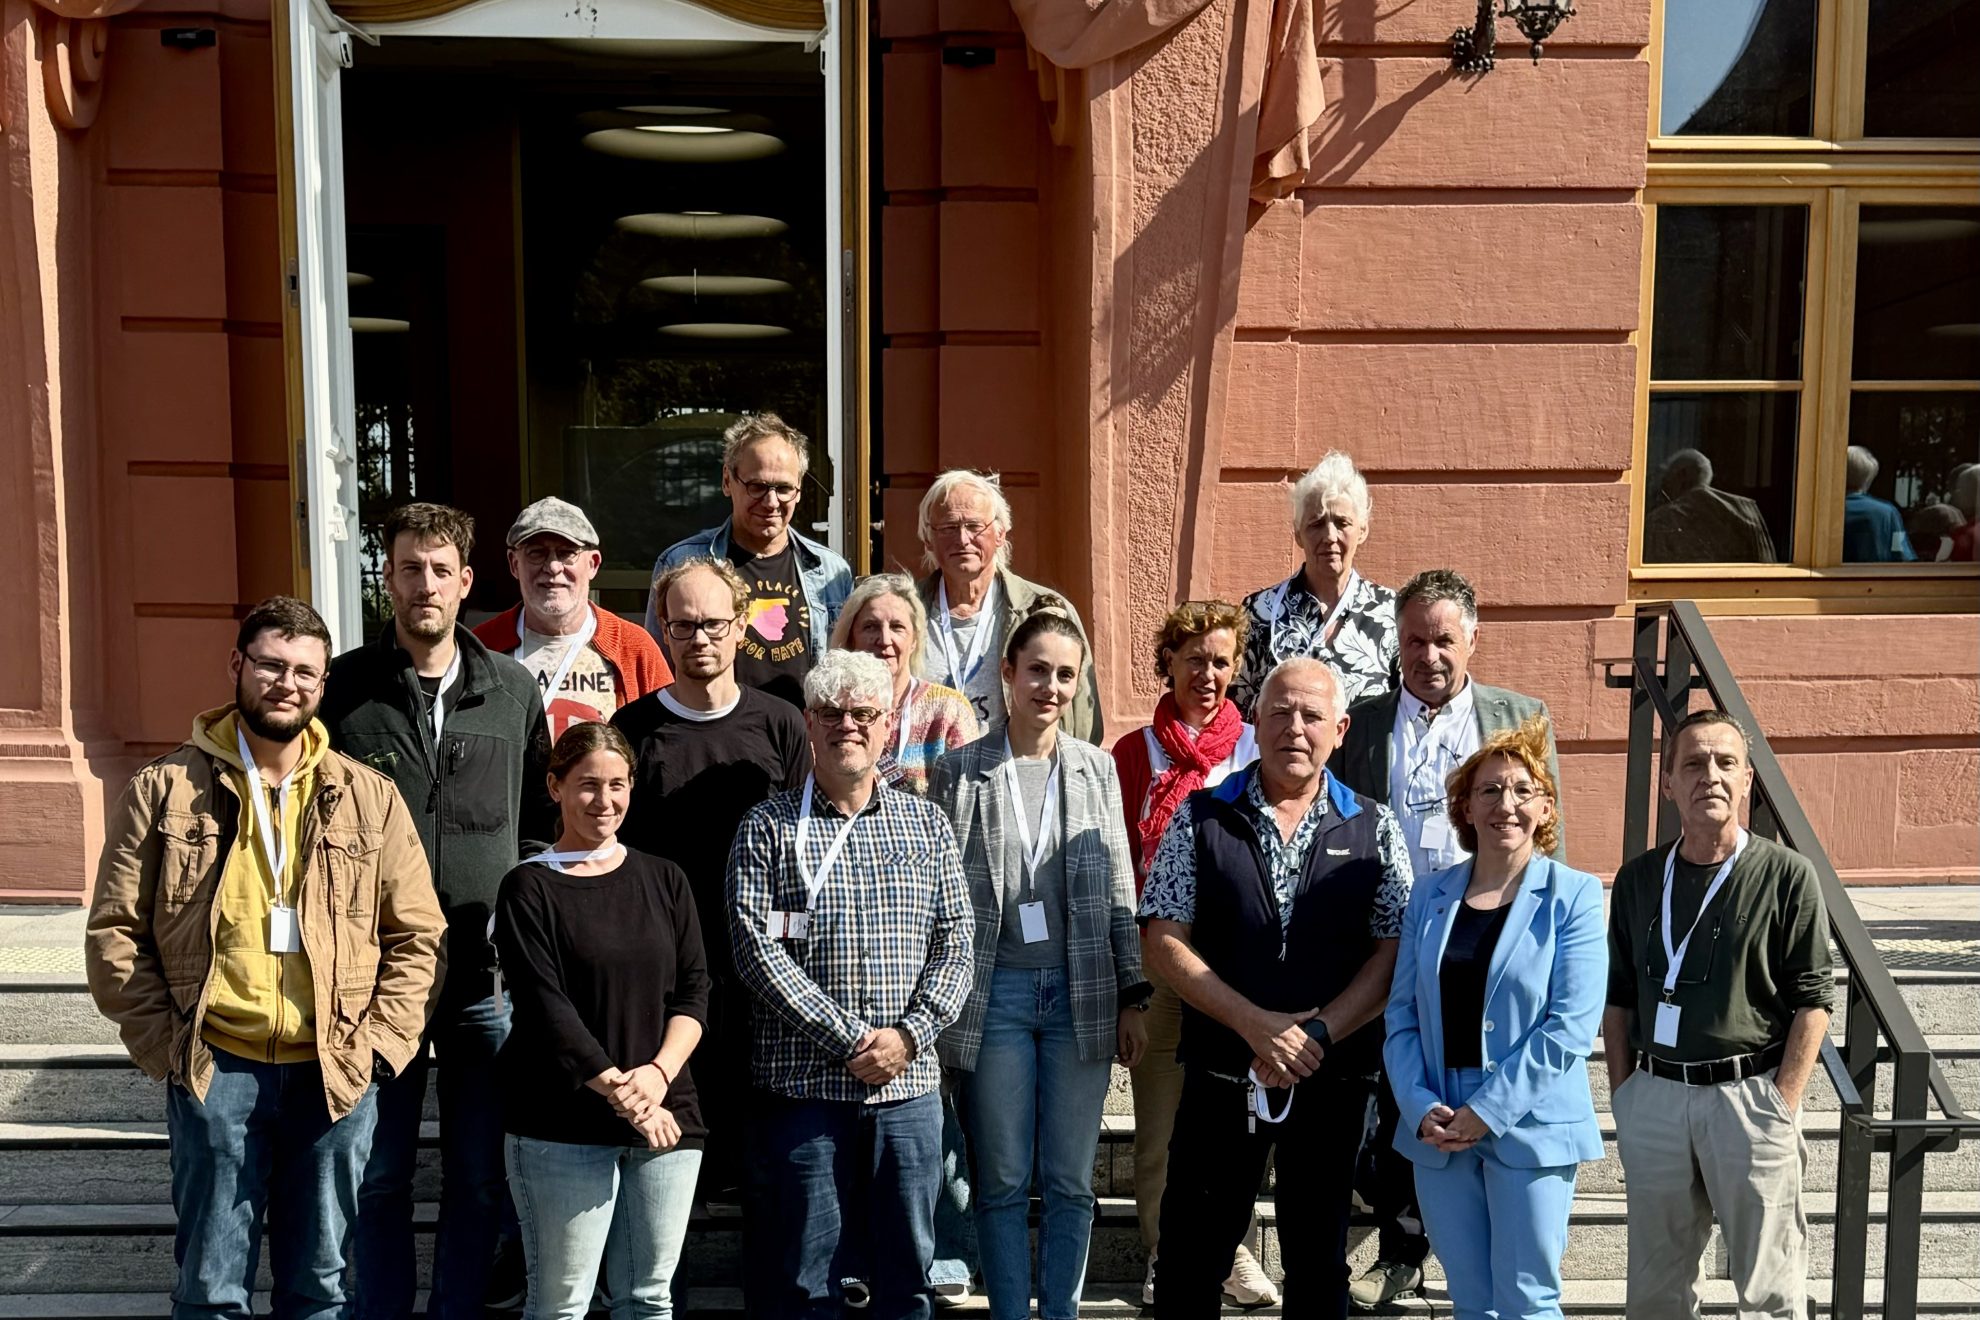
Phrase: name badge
{"type": "Point", "coordinates": [1436, 832]}
{"type": "Point", "coordinates": [1031, 921]}
{"type": "Point", "coordinates": [1665, 1031]}
{"type": "Point", "coordinates": [787, 925]}
{"type": "Point", "coordinates": [284, 931]}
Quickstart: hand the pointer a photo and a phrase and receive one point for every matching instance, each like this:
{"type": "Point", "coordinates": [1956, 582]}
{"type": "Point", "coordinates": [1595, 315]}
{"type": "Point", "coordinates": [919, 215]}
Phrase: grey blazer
{"type": "Point", "coordinates": [1082, 719]}
{"type": "Point", "coordinates": [1365, 756]}
{"type": "Point", "coordinates": [1103, 954]}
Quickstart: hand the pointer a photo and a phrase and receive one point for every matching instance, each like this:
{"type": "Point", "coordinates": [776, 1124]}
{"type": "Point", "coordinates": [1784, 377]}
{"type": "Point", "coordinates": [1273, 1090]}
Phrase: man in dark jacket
{"type": "Point", "coordinates": [461, 731]}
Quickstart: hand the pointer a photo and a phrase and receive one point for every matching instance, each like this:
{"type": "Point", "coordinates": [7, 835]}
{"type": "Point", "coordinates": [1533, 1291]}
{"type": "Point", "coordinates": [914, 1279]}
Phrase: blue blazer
{"type": "Point", "coordinates": [1544, 992]}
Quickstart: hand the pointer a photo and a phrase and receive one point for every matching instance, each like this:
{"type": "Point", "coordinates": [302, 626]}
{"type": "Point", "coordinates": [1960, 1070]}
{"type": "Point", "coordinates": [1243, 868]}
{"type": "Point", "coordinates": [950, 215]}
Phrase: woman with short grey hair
{"type": "Point", "coordinates": [884, 618]}
{"type": "Point", "coordinates": [1325, 610]}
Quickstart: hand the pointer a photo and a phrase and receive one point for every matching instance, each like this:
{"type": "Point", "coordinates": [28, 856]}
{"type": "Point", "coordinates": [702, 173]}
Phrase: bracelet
{"type": "Point", "coordinates": [663, 1073]}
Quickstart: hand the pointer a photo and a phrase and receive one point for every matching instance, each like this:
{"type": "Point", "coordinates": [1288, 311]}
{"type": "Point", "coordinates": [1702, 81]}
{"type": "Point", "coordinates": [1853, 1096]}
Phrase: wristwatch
{"type": "Point", "coordinates": [1317, 1029]}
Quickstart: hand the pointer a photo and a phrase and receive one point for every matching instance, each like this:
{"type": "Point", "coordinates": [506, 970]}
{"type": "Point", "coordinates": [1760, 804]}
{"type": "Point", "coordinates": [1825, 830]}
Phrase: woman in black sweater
{"type": "Point", "coordinates": [601, 948]}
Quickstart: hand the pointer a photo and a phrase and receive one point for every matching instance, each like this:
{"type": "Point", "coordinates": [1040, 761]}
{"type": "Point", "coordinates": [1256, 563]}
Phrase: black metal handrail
{"type": "Point", "coordinates": [1673, 654]}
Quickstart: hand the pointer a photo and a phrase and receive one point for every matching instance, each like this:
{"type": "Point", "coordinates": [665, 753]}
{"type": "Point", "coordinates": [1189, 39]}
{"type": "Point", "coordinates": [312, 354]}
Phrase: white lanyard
{"type": "Point", "coordinates": [901, 720]}
{"type": "Point", "coordinates": [978, 647]}
{"type": "Point", "coordinates": [1032, 850]}
{"type": "Point", "coordinates": [274, 842]}
{"type": "Point", "coordinates": [1332, 622]}
{"type": "Point", "coordinates": [1261, 1102]}
{"type": "Point", "coordinates": [578, 643]}
{"type": "Point", "coordinates": [560, 860]}
{"type": "Point", "coordinates": [447, 680]}
{"type": "Point", "coordinates": [815, 880]}
{"type": "Point", "coordinates": [1676, 955]}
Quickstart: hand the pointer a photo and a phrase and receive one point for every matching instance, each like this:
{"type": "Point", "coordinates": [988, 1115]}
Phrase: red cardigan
{"type": "Point", "coordinates": [637, 665]}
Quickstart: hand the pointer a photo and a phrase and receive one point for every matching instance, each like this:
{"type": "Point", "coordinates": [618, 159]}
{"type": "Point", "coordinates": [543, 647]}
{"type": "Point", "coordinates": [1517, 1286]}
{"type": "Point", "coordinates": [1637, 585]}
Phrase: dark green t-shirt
{"type": "Point", "coordinates": [1760, 955]}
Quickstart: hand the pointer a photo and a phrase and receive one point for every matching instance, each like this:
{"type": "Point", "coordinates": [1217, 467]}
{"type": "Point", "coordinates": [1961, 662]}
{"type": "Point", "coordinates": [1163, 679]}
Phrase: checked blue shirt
{"type": "Point", "coordinates": [889, 944]}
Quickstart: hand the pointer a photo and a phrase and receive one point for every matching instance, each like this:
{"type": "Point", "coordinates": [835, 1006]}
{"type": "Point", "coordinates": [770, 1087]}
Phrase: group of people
{"type": "Point", "coordinates": [836, 910]}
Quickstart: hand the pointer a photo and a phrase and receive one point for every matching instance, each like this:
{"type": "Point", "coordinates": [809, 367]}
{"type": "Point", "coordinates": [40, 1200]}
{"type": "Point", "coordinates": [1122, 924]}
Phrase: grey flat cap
{"type": "Point", "coordinates": [557, 517]}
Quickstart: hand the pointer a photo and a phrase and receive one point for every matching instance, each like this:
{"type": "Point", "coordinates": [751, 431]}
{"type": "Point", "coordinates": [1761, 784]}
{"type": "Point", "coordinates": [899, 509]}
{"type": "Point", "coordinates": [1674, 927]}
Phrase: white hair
{"type": "Point", "coordinates": [984, 485]}
{"type": "Point", "coordinates": [1859, 467]}
{"type": "Point", "coordinates": [1300, 666]}
{"type": "Point", "coordinates": [845, 677]}
{"type": "Point", "coordinates": [1333, 478]}
{"type": "Point", "coordinates": [1966, 490]}
{"type": "Point", "coordinates": [901, 587]}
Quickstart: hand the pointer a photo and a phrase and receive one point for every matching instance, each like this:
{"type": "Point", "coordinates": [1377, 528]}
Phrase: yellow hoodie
{"type": "Point", "coordinates": [260, 1005]}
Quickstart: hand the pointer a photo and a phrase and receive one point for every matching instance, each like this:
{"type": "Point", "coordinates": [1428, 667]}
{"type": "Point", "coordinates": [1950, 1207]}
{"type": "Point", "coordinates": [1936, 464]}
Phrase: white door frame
{"type": "Point", "coordinates": [317, 319]}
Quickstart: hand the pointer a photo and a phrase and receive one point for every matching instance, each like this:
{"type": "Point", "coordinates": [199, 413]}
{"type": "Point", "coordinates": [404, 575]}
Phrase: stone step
{"type": "Point", "coordinates": [55, 1248]}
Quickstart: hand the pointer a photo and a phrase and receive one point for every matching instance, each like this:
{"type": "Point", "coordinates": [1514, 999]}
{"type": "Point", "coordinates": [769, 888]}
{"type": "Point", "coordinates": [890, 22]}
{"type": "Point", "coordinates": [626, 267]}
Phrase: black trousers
{"type": "Point", "coordinates": [1216, 1165]}
{"type": "Point", "coordinates": [1390, 1188]}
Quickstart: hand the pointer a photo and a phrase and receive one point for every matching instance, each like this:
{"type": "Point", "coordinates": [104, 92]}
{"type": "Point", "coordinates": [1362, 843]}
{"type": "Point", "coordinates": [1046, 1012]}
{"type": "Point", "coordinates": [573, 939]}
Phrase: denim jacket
{"type": "Point", "coordinates": [827, 579]}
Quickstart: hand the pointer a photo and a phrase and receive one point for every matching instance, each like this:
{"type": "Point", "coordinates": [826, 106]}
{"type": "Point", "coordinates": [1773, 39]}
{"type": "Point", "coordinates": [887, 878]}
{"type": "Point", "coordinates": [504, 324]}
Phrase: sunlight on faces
{"type": "Point", "coordinates": [767, 459]}
{"type": "Point", "coordinates": [842, 749]}
{"type": "Point", "coordinates": [1707, 775]}
{"type": "Point", "coordinates": [1492, 805]}
{"type": "Point", "coordinates": [1044, 679]}
{"type": "Point", "coordinates": [593, 796]}
{"type": "Point", "coordinates": [1437, 647]}
{"type": "Point", "coordinates": [1329, 538]}
{"type": "Point", "coordinates": [1301, 719]}
{"type": "Point", "coordinates": [965, 556]}
{"type": "Point", "coordinates": [885, 630]}
{"type": "Point", "coordinates": [555, 575]}
{"type": "Point", "coordinates": [427, 584]}
{"type": "Point", "coordinates": [278, 710]}
{"type": "Point", "coordinates": [1200, 673]}
{"type": "Point", "coordinates": [700, 596]}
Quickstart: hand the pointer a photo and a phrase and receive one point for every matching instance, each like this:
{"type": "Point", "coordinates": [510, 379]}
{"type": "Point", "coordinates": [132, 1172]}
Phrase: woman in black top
{"type": "Point", "coordinates": [601, 948]}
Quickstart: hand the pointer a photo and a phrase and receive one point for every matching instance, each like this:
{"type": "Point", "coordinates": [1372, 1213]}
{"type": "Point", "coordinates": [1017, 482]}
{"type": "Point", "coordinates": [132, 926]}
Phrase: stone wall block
{"type": "Point", "coordinates": [144, 78]}
{"type": "Point", "coordinates": [1526, 545]}
{"type": "Point", "coordinates": [260, 409]}
{"type": "Point", "coordinates": [171, 251]}
{"type": "Point", "coordinates": [188, 673]}
{"type": "Point", "coordinates": [263, 516]}
{"type": "Point", "coordinates": [168, 399]}
{"type": "Point", "coordinates": [976, 16]}
{"type": "Point", "coordinates": [1539, 266]}
{"type": "Point", "coordinates": [910, 422]}
{"type": "Point", "coordinates": [905, 18]}
{"type": "Point", "coordinates": [247, 89]}
{"type": "Point", "coordinates": [1268, 281]}
{"type": "Point", "coordinates": [1436, 407]}
{"type": "Point", "coordinates": [911, 119]}
{"type": "Point", "coordinates": [177, 523]}
{"type": "Point", "coordinates": [990, 124]}
{"type": "Point", "coordinates": [910, 282]}
{"type": "Point", "coordinates": [989, 264]}
{"type": "Point", "coordinates": [1416, 123]}
{"type": "Point", "coordinates": [1591, 808]}
{"type": "Point", "coordinates": [992, 412]}
{"type": "Point", "coordinates": [256, 286]}
{"type": "Point", "coordinates": [1624, 23]}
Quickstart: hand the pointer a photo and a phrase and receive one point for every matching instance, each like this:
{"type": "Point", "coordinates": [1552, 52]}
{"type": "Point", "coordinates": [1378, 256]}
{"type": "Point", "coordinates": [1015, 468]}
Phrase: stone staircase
{"type": "Point", "coordinates": [86, 1220]}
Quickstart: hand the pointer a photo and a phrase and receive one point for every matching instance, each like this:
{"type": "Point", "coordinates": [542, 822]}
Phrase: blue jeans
{"type": "Point", "coordinates": [837, 1189]}
{"type": "Point", "coordinates": [263, 1140]}
{"type": "Point", "coordinates": [955, 1230]}
{"type": "Point", "coordinates": [1034, 1100]}
{"type": "Point", "coordinates": [1500, 1230]}
{"type": "Point", "coordinates": [475, 1209]}
{"type": "Point", "coordinates": [623, 1206]}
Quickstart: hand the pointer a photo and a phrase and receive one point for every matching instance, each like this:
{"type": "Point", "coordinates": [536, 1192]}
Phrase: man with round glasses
{"type": "Point", "coordinates": [852, 928]}
{"type": "Point", "coordinates": [797, 586]}
{"type": "Point", "coordinates": [587, 660]}
{"type": "Point", "coordinates": [706, 749]}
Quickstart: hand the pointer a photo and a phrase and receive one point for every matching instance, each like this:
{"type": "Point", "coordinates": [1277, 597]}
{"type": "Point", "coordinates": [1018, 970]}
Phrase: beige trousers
{"type": "Point", "coordinates": [1692, 1152]}
{"type": "Point", "coordinates": [1158, 1082]}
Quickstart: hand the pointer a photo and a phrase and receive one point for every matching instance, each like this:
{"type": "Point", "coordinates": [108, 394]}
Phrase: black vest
{"type": "Point", "coordinates": [1237, 930]}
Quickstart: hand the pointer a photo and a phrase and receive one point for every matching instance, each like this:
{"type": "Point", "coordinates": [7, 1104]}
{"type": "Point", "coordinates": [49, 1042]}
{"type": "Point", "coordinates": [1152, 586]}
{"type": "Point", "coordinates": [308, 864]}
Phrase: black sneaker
{"type": "Point", "coordinates": [508, 1279]}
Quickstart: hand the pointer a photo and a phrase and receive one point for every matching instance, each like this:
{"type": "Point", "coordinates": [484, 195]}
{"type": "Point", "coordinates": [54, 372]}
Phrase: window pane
{"type": "Point", "coordinates": [1917, 293]}
{"type": "Point", "coordinates": [1729, 286]}
{"type": "Point", "coordinates": [1913, 477]}
{"type": "Point", "coordinates": [1921, 79]}
{"type": "Point", "coordinates": [1720, 487]}
{"type": "Point", "coordinates": [1743, 67]}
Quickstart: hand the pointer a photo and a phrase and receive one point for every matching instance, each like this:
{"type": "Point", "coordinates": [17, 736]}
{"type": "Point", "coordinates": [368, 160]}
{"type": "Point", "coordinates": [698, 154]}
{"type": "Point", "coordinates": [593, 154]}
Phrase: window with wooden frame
{"type": "Point", "coordinates": [1808, 412]}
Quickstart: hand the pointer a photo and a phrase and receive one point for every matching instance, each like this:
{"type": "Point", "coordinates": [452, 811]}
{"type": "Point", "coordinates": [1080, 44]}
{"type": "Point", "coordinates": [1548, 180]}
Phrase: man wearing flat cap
{"type": "Point", "coordinates": [588, 662]}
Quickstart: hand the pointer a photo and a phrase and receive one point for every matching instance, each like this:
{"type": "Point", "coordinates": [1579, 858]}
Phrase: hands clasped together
{"type": "Point", "coordinates": [880, 1056]}
{"type": "Point", "coordinates": [639, 1096]}
{"type": "Point", "coordinates": [1282, 1050]}
{"type": "Point", "coordinates": [1451, 1130]}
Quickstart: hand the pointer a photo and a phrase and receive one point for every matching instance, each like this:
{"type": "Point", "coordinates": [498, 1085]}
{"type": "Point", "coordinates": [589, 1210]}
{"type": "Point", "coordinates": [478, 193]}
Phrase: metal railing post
{"type": "Point", "coordinates": [1677, 688]}
{"type": "Point", "coordinates": [1639, 773]}
{"type": "Point", "coordinates": [1855, 1144]}
{"type": "Point", "coordinates": [1904, 1208]}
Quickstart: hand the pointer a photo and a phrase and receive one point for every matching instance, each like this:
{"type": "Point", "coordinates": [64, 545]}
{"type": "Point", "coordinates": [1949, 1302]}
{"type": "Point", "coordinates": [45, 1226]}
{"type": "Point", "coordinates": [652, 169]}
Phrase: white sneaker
{"type": "Point", "coordinates": [1248, 1287]}
{"type": "Point", "coordinates": [1148, 1282]}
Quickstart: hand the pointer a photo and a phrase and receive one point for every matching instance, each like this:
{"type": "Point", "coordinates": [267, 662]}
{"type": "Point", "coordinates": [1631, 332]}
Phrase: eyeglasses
{"type": "Point", "coordinates": [1489, 794]}
{"type": "Point", "coordinates": [833, 716]}
{"type": "Point", "coordinates": [965, 531]}
{"type": "Point", "coordinates": [777, 492]}
{"type": "Point", "coordinates": [537, 555]}
{"type": "Point", "coordinates": [683, 630]}
{"type": "Point", "coordinates": [300, 677]}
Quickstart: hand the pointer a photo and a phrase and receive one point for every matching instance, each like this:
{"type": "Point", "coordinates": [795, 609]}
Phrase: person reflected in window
{"type": "Point", "coordinates": [1932, 529]}
{"type": "Point", "coordinates": [1873, 529]}
{"type": "Point", "coordinates": [1691, 522]}
{"type": "Point", "coordinates": [1966, 498]}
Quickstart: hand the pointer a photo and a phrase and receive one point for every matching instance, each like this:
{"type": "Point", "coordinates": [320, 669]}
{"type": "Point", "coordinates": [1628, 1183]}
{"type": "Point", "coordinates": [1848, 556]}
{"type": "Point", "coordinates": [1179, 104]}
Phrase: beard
{"type": "Point", "coordinates": [275, 726]}
{"type": "Point", "coordinates": [429, 630]}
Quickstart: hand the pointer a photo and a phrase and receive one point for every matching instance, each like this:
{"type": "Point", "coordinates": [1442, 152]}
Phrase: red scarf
{"type": "Point", "coordinates": [1190, 762]}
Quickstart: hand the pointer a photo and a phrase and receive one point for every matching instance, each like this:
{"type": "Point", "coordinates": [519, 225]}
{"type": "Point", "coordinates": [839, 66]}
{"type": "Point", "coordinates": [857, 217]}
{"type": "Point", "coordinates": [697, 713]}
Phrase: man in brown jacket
{"type": "Point", "coordinates": [266, 937]}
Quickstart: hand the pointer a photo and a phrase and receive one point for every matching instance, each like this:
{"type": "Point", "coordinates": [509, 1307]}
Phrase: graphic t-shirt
{"type": "Point", "coordinates": [587, 693]}
{"type": "Point", "coordinates": [776, 646]}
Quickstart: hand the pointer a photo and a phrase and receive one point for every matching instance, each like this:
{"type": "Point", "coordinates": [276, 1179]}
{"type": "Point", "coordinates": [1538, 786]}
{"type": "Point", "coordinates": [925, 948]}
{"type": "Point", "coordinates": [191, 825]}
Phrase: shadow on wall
{"type": "Point", "coordinates": [1351, 128]}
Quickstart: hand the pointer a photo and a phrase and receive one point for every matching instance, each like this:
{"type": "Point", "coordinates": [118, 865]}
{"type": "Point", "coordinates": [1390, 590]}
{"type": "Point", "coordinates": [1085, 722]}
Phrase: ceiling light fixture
{"type": "Point", "coordinates": [693, 147]}
{"type": "Point", "coordinates": [723, 330]}
{"type": "Point", "coordinates": [355, 280]}
{"type": "Point", "coordinates": [379, 325]}
{"type": "Point", "coordinates": [671, 109]}
{"type": "Point", "coordinates": [685, 129]}
{"type": "Point", "coordinates": [700, 225]}
{"type": "Point", "coordinates": [697, 285]}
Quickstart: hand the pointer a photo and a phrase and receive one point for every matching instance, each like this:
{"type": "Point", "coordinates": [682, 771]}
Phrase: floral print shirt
{"type": "Point", "coordinates": [1287, 621]}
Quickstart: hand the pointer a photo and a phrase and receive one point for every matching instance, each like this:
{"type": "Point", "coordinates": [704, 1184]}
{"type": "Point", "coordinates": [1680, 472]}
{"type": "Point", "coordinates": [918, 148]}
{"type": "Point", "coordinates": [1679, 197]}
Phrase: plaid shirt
{"type": "Point", "coordinates": [889, 944]}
